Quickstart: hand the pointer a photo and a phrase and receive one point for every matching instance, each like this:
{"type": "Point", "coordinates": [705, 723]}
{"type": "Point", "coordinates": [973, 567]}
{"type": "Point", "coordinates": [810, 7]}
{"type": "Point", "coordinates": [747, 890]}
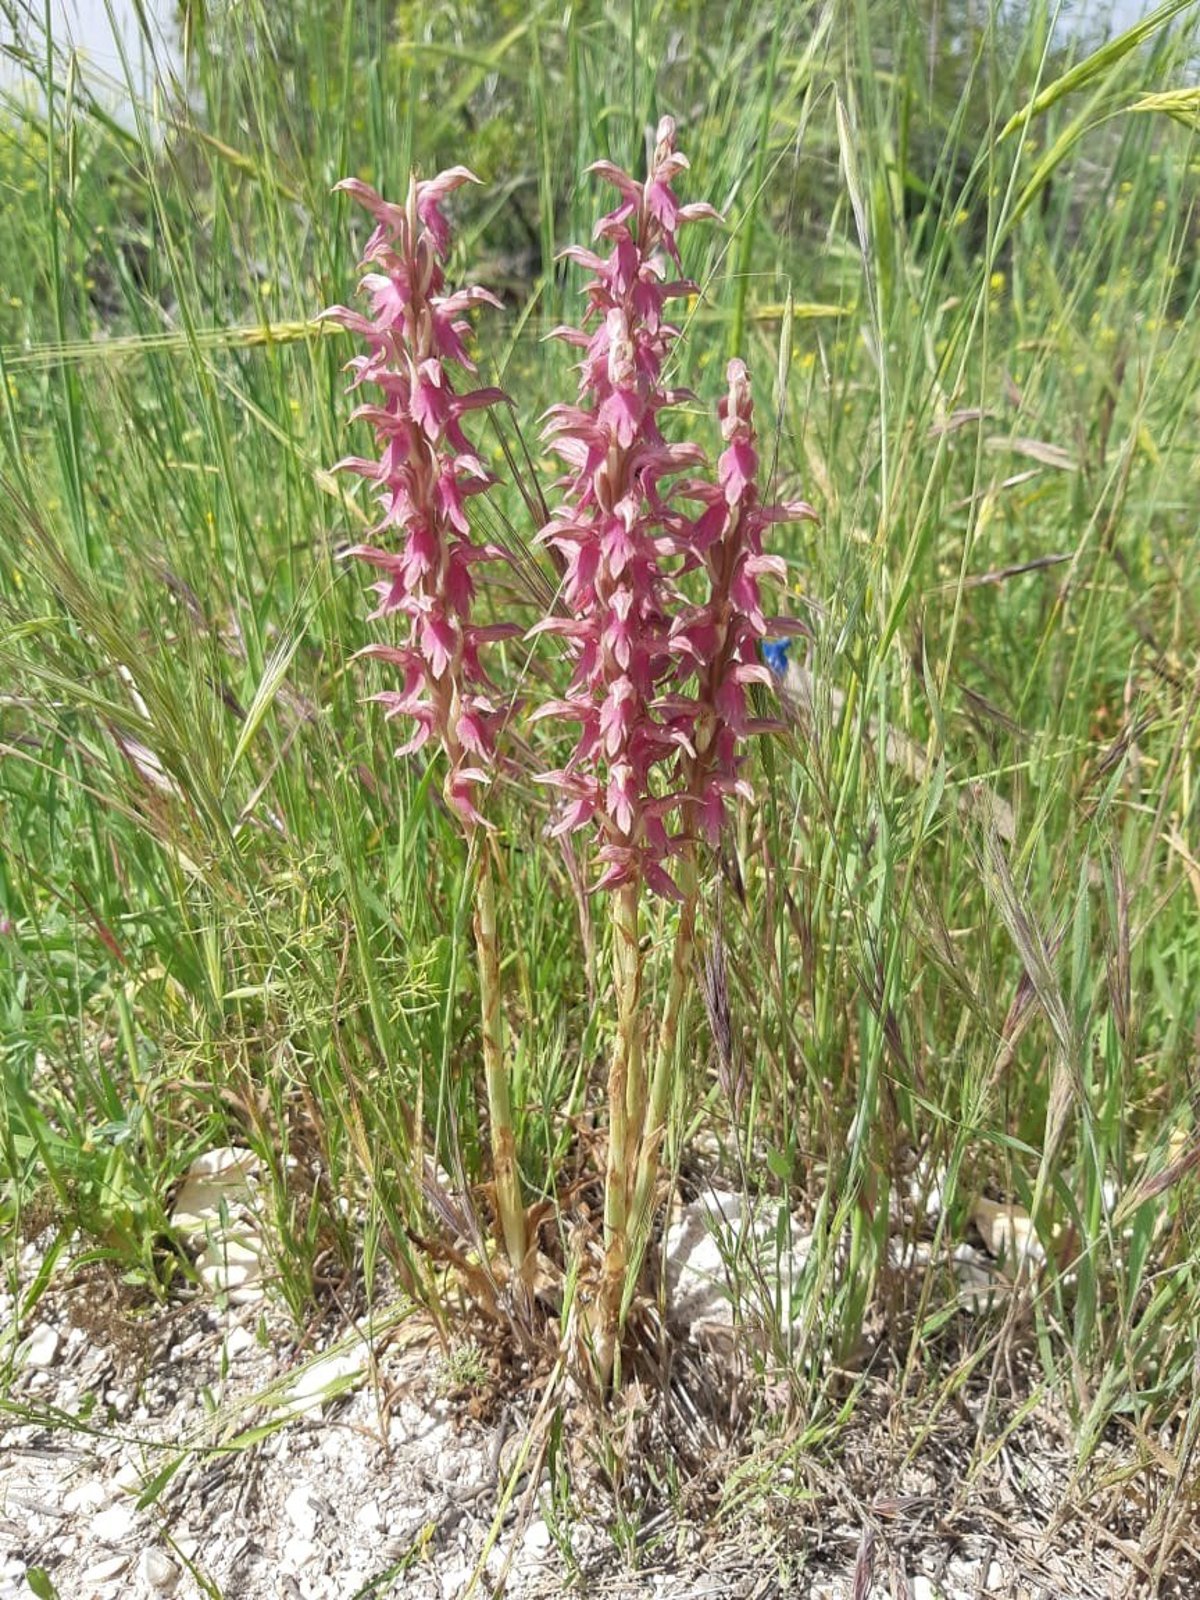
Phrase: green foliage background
{"type": "Point", "coordinates": [235, 918]}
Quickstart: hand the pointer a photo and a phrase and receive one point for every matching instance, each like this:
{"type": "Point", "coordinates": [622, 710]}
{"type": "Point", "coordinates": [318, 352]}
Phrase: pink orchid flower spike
{"type": "Point", "coordinates": [723, 638]}
{"type": "Point", "coordinates": [609, 530]}
{"type": "Point", "coordinates": [612, 533]}
{"type": "Point", "coordinates": [421, 547]}
{"type": "Point", "coordinates": [425, 472]}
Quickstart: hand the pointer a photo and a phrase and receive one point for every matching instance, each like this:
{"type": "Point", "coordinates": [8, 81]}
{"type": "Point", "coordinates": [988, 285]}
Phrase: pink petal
{"type": "Point", "coordinates": [360, 465]}
{"type": "Point", "coordinates": [620, 797]}
{"type": "Point", "coordinates": [575, 816]}
{"type": "Point", "coordinates": [459, 798]}
{"type": "Point", "coordinates": [662, 204]}
{"type": "Point", "coordinates": [430, 195]}
{"type": "Point", "coordinates": [787, 511]}
{"type": "Point", "coordinates": [660, 881]}
{"type": "Point", "coordinates": [627, 185]}
{"type": "Point", "coordinates": [622, 414]}
{"type": "Point", "coordinates": [699, 210]}
{"type": "Point", "coordinates": [476, 399]}
{"type": "Point", "coordinates": [451, 304]}
{"type": "Point", "coordinates": [737, 470]}
{"type": "Point", "coordinates": [438, 641]}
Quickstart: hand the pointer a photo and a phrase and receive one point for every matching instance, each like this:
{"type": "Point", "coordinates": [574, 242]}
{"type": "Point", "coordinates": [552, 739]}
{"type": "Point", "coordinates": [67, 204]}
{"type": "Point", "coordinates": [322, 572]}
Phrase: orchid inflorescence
{"type": "Point", "coordinates": [660, 680]}
{"type": "Point", "coordinates": [635, 638]}
{"type": "Point", "coordinates": [426, 470]}
{"type": "Point", "coordinates": [724, 638]}
{"type": "Point", "coordinates": [614, 525]}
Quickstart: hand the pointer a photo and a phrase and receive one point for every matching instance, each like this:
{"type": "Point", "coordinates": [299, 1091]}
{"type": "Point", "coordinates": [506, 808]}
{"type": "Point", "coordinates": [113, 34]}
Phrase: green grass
{"type": "Point", "coordinates": [976, 331]}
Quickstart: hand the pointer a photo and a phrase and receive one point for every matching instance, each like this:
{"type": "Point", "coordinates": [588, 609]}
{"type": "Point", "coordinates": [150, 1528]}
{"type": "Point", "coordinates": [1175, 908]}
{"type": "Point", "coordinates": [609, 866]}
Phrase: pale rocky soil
{"type": "Point", "coordinates": [379, 1461]}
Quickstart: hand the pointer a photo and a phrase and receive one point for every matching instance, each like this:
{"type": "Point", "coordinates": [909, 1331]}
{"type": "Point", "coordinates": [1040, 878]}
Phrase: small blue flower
{"type": "Point", "coordinates": [775, 654]}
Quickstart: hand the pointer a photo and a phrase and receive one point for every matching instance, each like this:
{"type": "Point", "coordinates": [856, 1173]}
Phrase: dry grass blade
{"type": "Point", "coordinates": [714, 987]}
{"type": "Point", "coordinates": [1032, 945]}
{"type": "Point", "coordinates": [864, 1565]}
{"type": "Point", "coordinates": [1040, 450]}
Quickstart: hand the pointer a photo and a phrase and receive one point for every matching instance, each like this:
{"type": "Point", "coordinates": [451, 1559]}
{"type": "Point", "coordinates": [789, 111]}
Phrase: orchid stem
{"type": "Point", "coordinates": [626, 1088]}
{"type": "Point", "coordinates": [504, 1153]}
{"type": "Point", "coordinates": [665, 1057]}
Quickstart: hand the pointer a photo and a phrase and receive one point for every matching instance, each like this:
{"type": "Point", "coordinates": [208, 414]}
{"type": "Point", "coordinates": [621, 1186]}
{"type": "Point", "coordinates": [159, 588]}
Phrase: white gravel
{"type": "Point", "coordinates": [272, 1470]}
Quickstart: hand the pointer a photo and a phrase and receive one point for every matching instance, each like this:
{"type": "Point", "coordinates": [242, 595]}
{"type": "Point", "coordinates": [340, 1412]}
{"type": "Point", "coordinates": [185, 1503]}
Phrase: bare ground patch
{"type": "Point", "coordinates": [197, 1452]}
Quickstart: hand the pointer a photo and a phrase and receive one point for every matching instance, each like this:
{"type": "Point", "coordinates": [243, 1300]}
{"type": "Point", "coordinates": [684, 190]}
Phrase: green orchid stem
{"type": "Point", "coordinates": [504, 1151]}
{"type": "Point", "coordinates": [664, 1061]}
{"type": "Point", "coordinates": [626, 1095]}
